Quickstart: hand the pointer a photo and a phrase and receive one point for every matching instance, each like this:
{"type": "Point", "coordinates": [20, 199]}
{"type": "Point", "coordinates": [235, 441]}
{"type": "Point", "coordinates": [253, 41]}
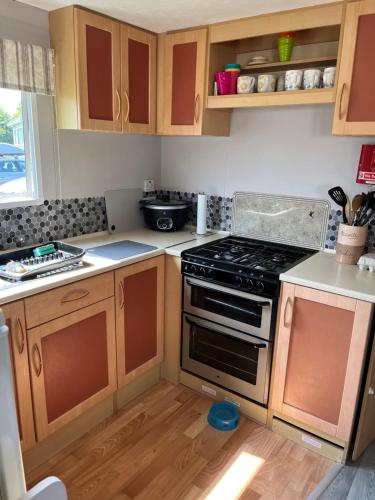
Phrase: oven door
{"type": "Point", "coordinates": [233, 308]}
{"type": "Point", "coordinates": [234, 360]}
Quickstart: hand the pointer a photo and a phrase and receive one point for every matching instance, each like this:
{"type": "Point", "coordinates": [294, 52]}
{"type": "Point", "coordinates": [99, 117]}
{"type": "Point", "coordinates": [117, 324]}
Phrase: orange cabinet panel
{"type": "Point", "coordinates": [15, 319]}
{"type": "Point", "coordinates": [355, 102]}
{"type": "Point", "coordinates": [138, 80]}
{"type": "Point", "coordinates": [319, 357]}
{"type": "Point", "coordinates": [139, 317]}
{"type": "Point", "coordinates": [73, 364]}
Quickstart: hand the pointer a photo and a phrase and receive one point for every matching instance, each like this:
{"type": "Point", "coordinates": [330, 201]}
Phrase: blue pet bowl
{"type": "Point", "coordinates": [223, 416]}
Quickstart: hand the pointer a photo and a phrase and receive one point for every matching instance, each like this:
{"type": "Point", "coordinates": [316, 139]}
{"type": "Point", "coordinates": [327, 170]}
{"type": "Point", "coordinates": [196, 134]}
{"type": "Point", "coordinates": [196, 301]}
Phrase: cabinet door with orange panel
{"type": "Point", "coordinates": [319, 357]}
{"type": "Point", "coordinates": [15, 320]}
{"type": "Point", "coordinates": [184, 82]}
{"type": "Point", "coordinates": [355, 101]}
{"type": "Point", "coordinates": [138, 80]}
{"type": "Point", "coordinates": [88, 73]}
{"type": "Point", "coordinates": [73, 362]}
{"type": "Point", "coordinates": [139, 317]}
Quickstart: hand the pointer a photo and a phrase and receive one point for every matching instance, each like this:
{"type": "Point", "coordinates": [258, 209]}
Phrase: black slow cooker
{"type": "Point", "coordinates": [162, 215]}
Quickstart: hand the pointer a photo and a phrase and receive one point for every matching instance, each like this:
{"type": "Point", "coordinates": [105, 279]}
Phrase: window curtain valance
{"type": "Point", "coordinates": [26, 67]}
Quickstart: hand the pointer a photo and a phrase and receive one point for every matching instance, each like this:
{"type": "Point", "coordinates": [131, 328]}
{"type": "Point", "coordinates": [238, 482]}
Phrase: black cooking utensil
{"type": "Point", "coordinates": [368, 210]}
{"type": "Point", "coordinates": [361, 209]}
{"type": "Point", "coordinates": [339, 197]}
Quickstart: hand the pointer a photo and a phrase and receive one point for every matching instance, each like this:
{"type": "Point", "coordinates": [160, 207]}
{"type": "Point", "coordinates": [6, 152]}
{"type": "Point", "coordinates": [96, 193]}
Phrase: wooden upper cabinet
{"type": "Point", "coordinates": [184, 77]}
{"type": "Point", "coordinates": [182, 86]}
{"type": "Point", "coordinates": [73, 364]}
{"type": "Point", "coordinates": [98, 71]}
{"type": "Point", "coordinates": [88, 73]}
{"type": "Point", "coordinates": [319, 357]}
{"type": "Point", "coordinates": [105, 73]}
{"type": "Point", "coordinates": [15, 320]}
{"type": "Point", "coordinates": [138, 80]}
{"type": "Point", "coordinates": [139, 318]}
{"type": "Point", "coordinates": [355, 101]}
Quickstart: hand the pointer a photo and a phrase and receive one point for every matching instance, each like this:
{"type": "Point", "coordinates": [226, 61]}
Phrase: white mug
{"type": "Point", "coordinates": [329, 77]}
{"type": "Point", "coordinates": [245, 84]}
{"type": "Point", "coordinates": [311, 78]}
{"type": "Point", "coordinates": [266, 83]}
{"type": "Point", "coordinates": [293, 79]}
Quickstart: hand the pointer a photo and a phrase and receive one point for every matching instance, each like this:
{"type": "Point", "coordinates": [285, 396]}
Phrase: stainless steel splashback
{"type": "Point", "coordinates": [281, 219]}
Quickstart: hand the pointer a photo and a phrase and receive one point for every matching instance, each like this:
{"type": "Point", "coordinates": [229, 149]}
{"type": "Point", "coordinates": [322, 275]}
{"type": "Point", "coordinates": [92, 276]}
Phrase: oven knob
{"type": "Point", "coordinates": [202, 271]}
{"type": "Point", "coordinates": [193, 269]}
{"type": "Point", "coordinates": [249, 284]}
{"type": "Point", "coordinates": [238, 280]}
{"type": "Point", "coordinates": [259, 286]}
{"type": "Point", "coordinates": [210, 273]}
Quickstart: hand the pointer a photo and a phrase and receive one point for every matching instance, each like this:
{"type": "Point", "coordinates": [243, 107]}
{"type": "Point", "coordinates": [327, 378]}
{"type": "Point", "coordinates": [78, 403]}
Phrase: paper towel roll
{"type": "Point", "coordinates": [201, 214]}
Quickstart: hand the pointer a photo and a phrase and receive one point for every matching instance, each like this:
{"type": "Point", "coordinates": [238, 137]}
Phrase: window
{"type": "Point", "coordinates": [20, 180]}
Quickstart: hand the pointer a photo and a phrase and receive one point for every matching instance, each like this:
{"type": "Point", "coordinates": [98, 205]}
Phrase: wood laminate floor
{"type": "Point", "coordinates": [160, 447]}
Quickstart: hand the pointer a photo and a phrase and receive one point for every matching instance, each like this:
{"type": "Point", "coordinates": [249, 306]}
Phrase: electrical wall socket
{"type": "Point", "coordinates": [148, 185]}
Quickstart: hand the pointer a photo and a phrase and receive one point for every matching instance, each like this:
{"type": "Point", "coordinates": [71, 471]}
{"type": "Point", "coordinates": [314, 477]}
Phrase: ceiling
{"type": "Point", "coordinates": [165, 15]}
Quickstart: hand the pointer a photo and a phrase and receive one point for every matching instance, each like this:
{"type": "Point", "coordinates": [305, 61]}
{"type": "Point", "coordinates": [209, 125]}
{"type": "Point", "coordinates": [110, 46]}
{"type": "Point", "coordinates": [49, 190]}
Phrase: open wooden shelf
{"type": "Point", "coordinates": [286, 98]}
{"type": "Point", "coordinates": [298, 63]}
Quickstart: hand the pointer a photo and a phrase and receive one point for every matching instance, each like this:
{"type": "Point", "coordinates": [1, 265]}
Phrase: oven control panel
{"type": "Point", "coordinates": [248, 281]}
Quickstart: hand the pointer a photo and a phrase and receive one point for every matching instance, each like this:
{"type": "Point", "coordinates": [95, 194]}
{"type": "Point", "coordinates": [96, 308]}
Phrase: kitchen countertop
{"type": "Point", "coordinates": [167, 243]}
{"type": "Point", "coordinates": [321, 271]}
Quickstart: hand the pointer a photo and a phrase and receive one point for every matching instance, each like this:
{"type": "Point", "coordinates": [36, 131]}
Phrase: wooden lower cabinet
{"type": "Point", "coordinates": [15, 320]}
{"type": "Point", "coordinates": [320, 349]}
{"type": "Point", "coordinates": [139, 317]}
{"type": "Point", "coordinates": [73, 364]}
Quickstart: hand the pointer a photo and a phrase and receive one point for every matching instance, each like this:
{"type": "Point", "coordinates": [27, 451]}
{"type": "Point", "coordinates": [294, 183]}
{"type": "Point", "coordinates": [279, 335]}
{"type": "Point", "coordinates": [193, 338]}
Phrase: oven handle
{"type": "Point", "coordinates": [231, 306]}
{"type": "Point", "coordinates": [258, 303]}
{"type": "Point", "coordinates": [254, 344]}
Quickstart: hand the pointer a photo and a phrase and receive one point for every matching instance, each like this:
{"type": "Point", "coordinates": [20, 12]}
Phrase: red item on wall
{"type": "Point", "coordinates": [366, 167]}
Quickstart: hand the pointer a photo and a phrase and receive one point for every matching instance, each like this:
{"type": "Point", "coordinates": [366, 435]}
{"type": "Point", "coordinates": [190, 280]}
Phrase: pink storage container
{"type": "Point", "coordinates": [227, 82]}
{"type": "Point", "coordinates": [233, 81]}
{"type": "Point", "coordinates": [223, 80]}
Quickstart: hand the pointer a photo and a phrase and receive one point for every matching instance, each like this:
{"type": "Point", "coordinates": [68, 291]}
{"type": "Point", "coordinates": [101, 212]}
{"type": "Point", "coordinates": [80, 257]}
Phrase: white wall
{"type": "Point", "coordinates": [75, 163]}
{"type": "Point", "coordinates": [276, 150]}
{"type": "Point", "coordinates": [23, 23]}
{"type": "Point", "coordinates": [92, 162]}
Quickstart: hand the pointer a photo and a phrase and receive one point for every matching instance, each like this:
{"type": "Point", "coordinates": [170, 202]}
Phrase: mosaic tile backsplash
{"type": "Point", "coordinates": [53, 220]}
{"type": "Point", "coordinates": [219, 216]}
{"type": "Point", "coordinates": [58, 219]}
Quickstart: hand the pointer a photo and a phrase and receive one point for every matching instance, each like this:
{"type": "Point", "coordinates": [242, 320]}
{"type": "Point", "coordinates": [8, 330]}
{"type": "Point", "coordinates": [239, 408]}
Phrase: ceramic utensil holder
{"type": "Point", "coordinates": [350, 243]}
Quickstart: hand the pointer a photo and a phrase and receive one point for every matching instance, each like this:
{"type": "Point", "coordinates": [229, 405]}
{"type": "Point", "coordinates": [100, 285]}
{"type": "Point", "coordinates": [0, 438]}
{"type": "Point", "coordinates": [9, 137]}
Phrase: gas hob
{"type": "Point", "coordinates": [243, 263]}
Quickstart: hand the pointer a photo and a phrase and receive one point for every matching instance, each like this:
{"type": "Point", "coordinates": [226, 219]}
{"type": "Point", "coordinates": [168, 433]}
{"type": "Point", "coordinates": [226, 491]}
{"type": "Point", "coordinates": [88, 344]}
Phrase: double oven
{"type": "Point", "coordinates": [227, 337]}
